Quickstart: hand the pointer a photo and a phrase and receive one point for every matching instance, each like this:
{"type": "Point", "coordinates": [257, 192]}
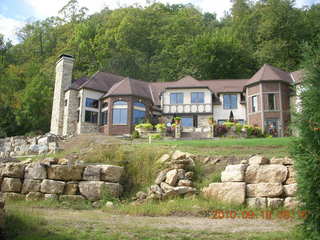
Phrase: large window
{"type": "Point", "coordinates": [91, 117]}
{"type": "Point", "coordinates": [120, 113]}
{"type": "Point", "coordinates": [176, 98]}
{"type": "Point", "coordinates": [92, 103]}
{"type": "Point", "coordinates": [271, 101]}
{"type": "Point", "coordinates": [139, 113]}
{"type": "Point", "coordinates": [254, 103]}
{"type": "Point", "coordinates": [229, 101]}
{"type": "Point", "coordinates": [197, 97]}
{"type": "Point", "coordinates": [187, 121]}
{"type": "Point", "coordinates": [104, 118]}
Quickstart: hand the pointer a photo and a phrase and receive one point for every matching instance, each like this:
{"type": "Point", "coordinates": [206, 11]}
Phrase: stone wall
{"type": "Point", "coordinates": [54, 178]}
{"type": "Point", "coordinates": [21, 145]}
{"type": "Point", "coordinates": [258, 182]}
{"type": "Point", "coordinates": [2, 218]}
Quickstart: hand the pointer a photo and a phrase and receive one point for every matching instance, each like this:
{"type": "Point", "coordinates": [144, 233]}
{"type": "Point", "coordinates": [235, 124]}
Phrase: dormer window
{"type": "Point", "coordinates": [230, 101]}
{"type": "Point", "coordinates": [197, 97]}
{"type": "Point", "coordinates": [92, 103]}
{"type": "Point", "coordinates": [176, 98]}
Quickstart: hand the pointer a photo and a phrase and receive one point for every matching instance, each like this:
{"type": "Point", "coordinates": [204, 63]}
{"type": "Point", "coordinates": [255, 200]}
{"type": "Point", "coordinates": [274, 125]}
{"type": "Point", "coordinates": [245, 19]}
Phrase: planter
{"type": "Point", "coordinates": [177, 121]}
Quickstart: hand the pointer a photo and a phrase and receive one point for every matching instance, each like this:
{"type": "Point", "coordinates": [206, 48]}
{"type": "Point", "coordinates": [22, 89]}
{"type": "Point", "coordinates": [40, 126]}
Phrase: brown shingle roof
{"type": "Point", "coordinates": [102, 81]}
{"type": "Point", "coordinates": [77, 83]}
{"type": "Point", "coordinates": [270, 73]}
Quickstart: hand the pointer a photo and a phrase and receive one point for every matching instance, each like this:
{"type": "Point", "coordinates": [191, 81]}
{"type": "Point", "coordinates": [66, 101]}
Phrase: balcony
{"type": "Point", "coordinates": [187, 108]}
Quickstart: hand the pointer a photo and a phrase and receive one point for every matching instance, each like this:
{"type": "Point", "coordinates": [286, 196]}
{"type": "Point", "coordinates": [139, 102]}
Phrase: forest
{"type": "Point", "coordinates": [159, 42]}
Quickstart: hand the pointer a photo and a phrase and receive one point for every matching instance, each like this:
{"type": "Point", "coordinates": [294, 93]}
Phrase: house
{"type": "Point", "coordinates": [114, 104]}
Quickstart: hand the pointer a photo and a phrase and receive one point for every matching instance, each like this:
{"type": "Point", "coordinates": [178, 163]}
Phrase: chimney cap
{"type": "Point", "coordinates": [65, 55]}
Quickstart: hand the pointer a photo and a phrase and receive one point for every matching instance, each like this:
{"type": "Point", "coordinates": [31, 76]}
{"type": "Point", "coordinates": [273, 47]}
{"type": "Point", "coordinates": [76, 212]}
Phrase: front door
{"type": "Point", "coordinates": [272, 127]}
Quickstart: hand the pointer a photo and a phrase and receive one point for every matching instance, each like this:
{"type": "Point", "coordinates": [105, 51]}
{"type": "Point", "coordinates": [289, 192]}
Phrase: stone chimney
{"type": "Point", "coordinates": [63, 79]}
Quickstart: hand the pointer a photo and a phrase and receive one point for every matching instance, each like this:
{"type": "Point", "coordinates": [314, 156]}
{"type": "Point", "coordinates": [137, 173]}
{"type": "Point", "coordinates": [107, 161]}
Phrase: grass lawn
{"type": "Point", "coordinates": [269, 147]}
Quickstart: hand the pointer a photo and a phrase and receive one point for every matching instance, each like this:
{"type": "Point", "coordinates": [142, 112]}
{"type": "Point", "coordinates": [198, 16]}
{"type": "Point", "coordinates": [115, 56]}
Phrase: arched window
{"type": "Point", "coordinates": [120, 113]}
{"type": "Point", "coordinates": [139, 113]}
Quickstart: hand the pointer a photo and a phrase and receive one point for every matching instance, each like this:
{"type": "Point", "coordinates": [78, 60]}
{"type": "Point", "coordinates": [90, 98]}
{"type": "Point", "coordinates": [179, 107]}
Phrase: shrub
{"type": "Point", "coordinates": [135, 134]}
{"type": "Point", "coordinates": [156, 136]}
{"type": "Point", "coordinates": [220, 130]}
{"type": "Point", "coordinates": [177, 118]}
{"type": "Point", "coordinates": [160, 127]}
{"type": "Point", "coordinates": [148, 126]}
{"type": "Point", "coordinates": [306, 149]}
{"type": "Point", "coordinates": [229, 124]}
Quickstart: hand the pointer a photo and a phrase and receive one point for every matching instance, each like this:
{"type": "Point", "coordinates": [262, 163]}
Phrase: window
{"type": "Point", "coordinates": [65, 102]}
{"type": "Point", "coordinates": [92, 103]}
{"type": "Point", "coordinates": [91, 117]}
{"type": "Point", "coordinates": [104, 105]}
{"type": "Point", "coordinates": [254, 103]}
{"type": "Point", "coordinates": [120, 113]}
{"type": "Point", "coordinates": [229, 101]}
{"type": "Point", "coordinates": [271, 101]}
{"type": "Point", "coordinates": [78, 116]}
{"type": "Point", "coordinates": [79, 101]}
{"type": "Point", "coordinates": [104, 118]}
{"type": "Point", "coordinates": [176, 98]}
{"type": "Point", "coordinates": [197, 97]}
{"type": "Point", "coordinates": [187, 121]}
{"type": "Point", "coordinates": [139, 113]}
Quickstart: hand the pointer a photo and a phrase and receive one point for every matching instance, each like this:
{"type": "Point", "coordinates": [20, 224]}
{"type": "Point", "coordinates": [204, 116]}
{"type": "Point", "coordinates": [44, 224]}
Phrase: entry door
{"type": "Point", "coordinates": [272, 126]}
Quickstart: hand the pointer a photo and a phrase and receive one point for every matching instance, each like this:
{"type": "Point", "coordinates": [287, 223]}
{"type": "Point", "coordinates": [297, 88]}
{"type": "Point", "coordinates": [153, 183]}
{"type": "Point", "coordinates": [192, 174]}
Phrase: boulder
{"type": "Point", "coordinates": [231, 192]}
{"type": "Point", "coordinates": [234, 173]}
{"type": "Point", "coordinates": [264, 190]}
{"type": "Point", "coordinates": [111, 173]}
{"type": "Point", "coordinates": [155, 189]}
{"type": "Point", "coordinates": [33, 149]}
{"type": "Point", "coordinates": [291, 202]}
{"type": "Point", "coordinates": [109, 204]}
{"type": "Point", "coordinates": [115, 189]}
{"type": "Point", "coordinates": [8, 196]}
{"type": "Point", "coordinates": [283, 161]}
{"type": "Point", "coordinates": [43, 141]}
{"type": "Point", "coordinates": [181, 174]}
{"type": "Point", "coordinates": [30, 185]}
{"type": "Point", "coordinates": [183, 190]}
{"type": "Point", "coordinates": [273, 173]}
{"type": "Point", "coordinates": [43, 149]}
{"type": "Point", "coordinates": [92, 173]}
{"type": "Point", "coordinates": [66, 173]}
{"type": "Point", "coordinates": [11, 185]}
{"type": "Point", "coordinates": [71, 188]}
{"type": "Point", "coordinates": [161, 176]}
{"type": "Point", "coordinates": [93, 190]}
{"type": "Point", "coordinates": [177, 155]}
{"type": "Point", "coordinates": [290, 190]}
{"type": "Point", "coordinates": [257, 202]}
{"type": "Point", "coordinates": [141, 195]}
{"type": "Point", "coordinates": [63, 161]}
{"type": "Point", "coordinates": [164, 158]}
{"type": "Point", "coordinates": [51, 186]}
{"type": "Point", "coordinates": [291, 175]}
{"type": "Point", "coordinates": [189, 175]}
{"type": "Point", "coordinates": [274, 202]}
{"type": "Point", "coordinates": [166, 187]}
{"type": "Point", "coordinates": [258, 160]}
{"type": "Point", "coordinates": [185, 182]}
{"type": "Point", "coordinates": [71, 198]}
{"type": "Point", "coordinates": [35, 171]}
{"type": "Point", "coordinates": [51, 196]}
{"type": "Point", "coordinates": [172, 177]}
{"type": "Point", "coordinates": [170, 194]}
{"type": "Point", "coordinates": [49, 161]}
{"type": "Point", "coordinates": [15, 170]}
{"type": "Point", "coordinates": [34, 196]}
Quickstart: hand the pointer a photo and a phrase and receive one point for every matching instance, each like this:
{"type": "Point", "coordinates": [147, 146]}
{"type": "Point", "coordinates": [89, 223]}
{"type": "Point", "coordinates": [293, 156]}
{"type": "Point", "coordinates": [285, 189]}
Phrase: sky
{"type": "Point", "coordinates": [14, 14]}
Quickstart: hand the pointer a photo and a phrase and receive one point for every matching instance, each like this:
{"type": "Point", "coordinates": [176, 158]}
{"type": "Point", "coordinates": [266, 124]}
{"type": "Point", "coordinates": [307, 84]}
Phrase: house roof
{"type": "Point", "coordinates": [101, 81]}
{"type": "Point", "coordinates": [297, 76]}
{"type": "Point", "coordinates": [270, 73]}
{"type": "Point", "coordinates": [77, 83]}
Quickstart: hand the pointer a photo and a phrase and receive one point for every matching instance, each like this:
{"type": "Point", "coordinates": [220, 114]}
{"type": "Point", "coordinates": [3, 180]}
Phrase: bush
{"type": "Point", "coordinates": [220, 130]}
{"type": "Point", "coordinates": [135, 134]}
{"type": "Point", "coordinates": [156, 136]}
{"type": "Point", "coordinates": [160, 127]}
{"type": "Point", "coordinates": [148, 126]}
{"type": "Point", "coordinates": [306, 149]}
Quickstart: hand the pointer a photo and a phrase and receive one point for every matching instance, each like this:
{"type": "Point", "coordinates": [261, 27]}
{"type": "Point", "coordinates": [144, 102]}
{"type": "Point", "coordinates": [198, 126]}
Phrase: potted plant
{"type": "Point", "coordinates": [177, 120]}
{"type": "Point", "coordinates": [210, 121]}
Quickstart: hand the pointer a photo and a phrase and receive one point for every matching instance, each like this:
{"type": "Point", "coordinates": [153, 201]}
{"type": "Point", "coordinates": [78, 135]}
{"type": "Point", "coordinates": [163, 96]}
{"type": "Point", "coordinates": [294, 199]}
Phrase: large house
{"type": "Point", "coordinates": [114, 104]}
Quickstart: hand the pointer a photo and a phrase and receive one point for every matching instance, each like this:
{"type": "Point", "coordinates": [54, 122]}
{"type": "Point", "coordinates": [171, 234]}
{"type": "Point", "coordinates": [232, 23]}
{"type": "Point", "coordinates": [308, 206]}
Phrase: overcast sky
{"type": "Point", "coordinates": [15, 13]}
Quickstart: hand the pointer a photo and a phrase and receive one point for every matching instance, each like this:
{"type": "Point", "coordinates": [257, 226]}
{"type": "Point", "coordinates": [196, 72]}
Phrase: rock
{"type": "Point", "coordinates": [53, 146]}
{"type": "Point", "coordinates": [71, 188]}
{"type": "Point", "coordinates": [155, 189]}
{"type": "Point", "coordinates": [256, 202]}
{"type": "Point", "coordinates": [51, 186]}
{"type": "Point", "coordinates": [97, 204]}
{"type": "Point", "coordinates": [154, 196]}
{"type": "Point", "coordinates": [185, 182]}
{"type": "Point", "coordinates": [63, 161]}
{"type": "Point", "coordinates": [164, 158]}
{"type": "Point", "coordinates": [183, 190]}
{"type": "Point", "coordinates": [71, 198]}
{"type": "Point", "coordinates": [291, 175]}
{"type": "Point", "coordinates": [111, 173]}
{"type": "Point", "coordinates": [172, 177]}
{"type": "Point", "coordinates": [189, 175]}
{"type": "Point", "coordinates": [35, 171]}
{"type": "Point", "coordinates": [11, 185]}
{"type": "Point", "coordinates": [51, 197]}
{"type": "Point", "coordinates": [181, 174]}
{"type": "Point", "coordinates": [290, 190]}
{"type": "Point", "coordinates": [170, 194]}
{"type": "Point", "coordinates": [15, 170]}
{"type": "Point", "coordinates": [66, 173]}
{"type": "Point", "coordinates": [92, 173]}
{"type": "Point", "coordinates": [244, 162]}
{"type": "Point", "coordinates": [178, 166]}
{"type": "Point", "coordinates": [161, 176]}
{"type": "Point", "coordinates": [141, 195]}
{"type": "Point", "coordinates": [8, 196]}
{"type": "Point", "coordinates": [43, 141]}
{"type": "Point", "coordinates": [178, 155]}
{"type": "Point", "coordinates": [234, 173]}
{"type": "Point", "coordinates": [49, 161]}
{"type": "Point", "coordinates": [166, 187]}
{"type": "Point", "coordinates": [231, 192]}
{"type": "Point", "coordinates": [115, 189]}
{"type": "Point", "coordinates": [264, 190]}
{"type": "Point", "coordinates": [109, 204]}
{"type": "Point", "coordinates": [274, 202]}
{"type": "Point", "coordinates": [283, 161]}
{"type": "Point", "coordinates": [291, 202]}
{"type": "Point", "coordinates": [272, 173]}
{"type": "Point", "coordinates": [43, 149]}
{"type": "Point", "coordinates": [30, 185]}
{"type": "Point", "coordinates": [34, 196]}
{"type": "Point", "coordinates": [33, 149]}
{"type": "Point", "coordinates": [258, 160]}
{"type": "Point", "coordinates": [93, 190]}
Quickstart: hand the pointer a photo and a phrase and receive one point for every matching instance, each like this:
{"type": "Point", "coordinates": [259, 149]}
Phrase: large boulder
{"type": "Point", "coordinates": [92, 173]}
{"type": "Point", "coordinates": [185, 182]}
{"type": "Point", "coordinates": [258, 160]}
{"type": "Point", "coordinates": [34, 196]}
{"type": "Point", "coordinates": [264, 190]}
{"type": "Point", "coordinates": [284, 161]}
{"type": "Point", "coordinates": [290, 190]}
{"type": "Point", "coordinates": [177, 155]}
{"type": "Point", "coordinates": [66, 173]}
{"type": "Point", "coordinates": [291, 175]}
{"type": "Point", "coordinates": [164, 158]}
{"type": "Point", "coordinates": [166, 187]}
{"type": "Point", "coordinates": [161, 176]}
{"type": "Point", "coordinates": [273, 173]}
{"type": "Point", "coordinates": [30, 185]}
{"type": "Point", "coordinates": [71, 188]}
{"type": "Point", "coordinates": [172, 177]}
{"type": "Point", "coordinates": [51, 186]}
{"type": "Point", "coordinates": [184, 189]}
{"type": "Point", "coordinates": [15, 170]}
{"type": "Point", "coordinates": [259, 202]}
{"type": "Point", "coordinates": [231, 192]}
{"type": "Point", "coordinates": [234, 173]}
{"type": "Point", "coordinates": [11, 185]}
{"type": "Point", "coordinates": [111, 173]}
{"type": "Point", "coordinates": [93, 190]}
{"type": "Point", "coordinates": [274, 202]}
{"type": "Point", "coordinates": [291, 202]}
{"type": "Point", "coordinates": [35, 171]}
{"type": "Point", "coordinates": [7, 196]}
